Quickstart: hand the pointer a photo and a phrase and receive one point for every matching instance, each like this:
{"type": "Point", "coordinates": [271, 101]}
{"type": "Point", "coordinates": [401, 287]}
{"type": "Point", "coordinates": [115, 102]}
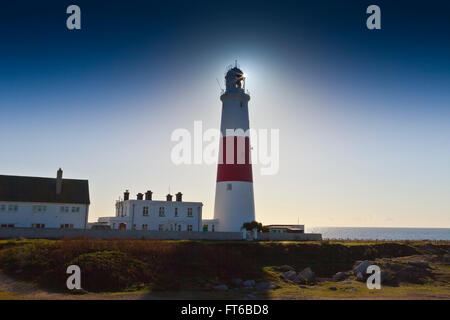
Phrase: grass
{"type": "Point", "coordinates": [160, 267]}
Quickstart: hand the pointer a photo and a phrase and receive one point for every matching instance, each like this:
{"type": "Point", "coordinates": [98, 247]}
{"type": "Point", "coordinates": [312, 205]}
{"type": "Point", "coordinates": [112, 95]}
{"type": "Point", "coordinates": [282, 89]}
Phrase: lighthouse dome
{"type": "Point", "coordinates": [235, 79]}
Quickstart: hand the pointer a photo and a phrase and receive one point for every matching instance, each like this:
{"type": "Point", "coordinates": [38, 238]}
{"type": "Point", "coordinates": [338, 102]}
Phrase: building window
{"type": "Point", "coordinates": [189, 212]}
{"type": "Point", "coordinates": [67, 226]}
{"type": "Point", "coordinates": [75, 209]}
{"type": "Point", "coordinates": [161, 227]}
{"type": "Point", "coordinates": [7, 226]}
{"type": "Point", "coordinates": [213, 228]}
{"type": "Point", "coordinates": [205, 227]}
{"type": "Point", "coordinates": [12, 207]}
{"type": "Point", "coordinates": [228, 186]}
{"type": "Point", "coordinates": [176, 212]}
{"type": "Point", "coordinates": [38, 225]}
{"type": "Point", "coordinates": [64, 209]}
{"type": "Point", "coordinates": [189, 227]}
{"type": "Point", "coordinates": [2, 207]}
{"type": "Point", "coordinates": [39, 208]}
{"type": "Point", "coordinates": [145, 211]}
{"type": "Point", "coordinates": [179, 227]}
{"type": "Point", "coordinates": [161, 212]}
{"type": "Point", "coordinates": [144, 227]}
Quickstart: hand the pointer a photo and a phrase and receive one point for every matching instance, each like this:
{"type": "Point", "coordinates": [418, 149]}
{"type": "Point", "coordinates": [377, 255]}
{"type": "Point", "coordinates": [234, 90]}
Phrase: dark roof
{"type": "Point", "coordinates": [33, 189]}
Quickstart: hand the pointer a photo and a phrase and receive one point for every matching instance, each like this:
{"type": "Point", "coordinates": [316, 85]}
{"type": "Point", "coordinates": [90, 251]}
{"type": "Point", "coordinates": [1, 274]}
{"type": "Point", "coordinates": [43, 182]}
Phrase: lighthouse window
{"type": "Point", "coordinates": [145, 211]}
{"type": "Point", "coordinates": [228, 186]}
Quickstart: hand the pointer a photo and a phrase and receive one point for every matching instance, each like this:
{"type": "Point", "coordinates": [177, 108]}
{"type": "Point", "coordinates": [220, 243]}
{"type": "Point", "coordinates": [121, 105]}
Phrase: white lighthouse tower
{"type": "Point", "coordinates": [234, 203]}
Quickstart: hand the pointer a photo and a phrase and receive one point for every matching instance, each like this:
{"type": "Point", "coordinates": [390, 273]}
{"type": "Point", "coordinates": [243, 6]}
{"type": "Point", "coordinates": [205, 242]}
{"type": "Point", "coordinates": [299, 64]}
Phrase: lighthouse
{"type": "Point", "coordinates": [234, 202]}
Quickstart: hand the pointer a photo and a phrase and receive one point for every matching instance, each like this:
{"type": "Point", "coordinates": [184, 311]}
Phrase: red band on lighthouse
{"type": "Point", "coordinates": [234, 160]}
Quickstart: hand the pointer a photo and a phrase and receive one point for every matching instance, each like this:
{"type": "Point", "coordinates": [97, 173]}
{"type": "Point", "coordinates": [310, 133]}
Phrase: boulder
{"type": "Point", "coordinates": [333, 288]}
{"type": "Point", "coordinates": [221, 287]}
{"type": "Point", "coordinates": [249, 283]}
{"type": "Point", "coordinates": [340, 276]}
{"type": "Point", "coordinates": [306, 276]}
{"type": "Point", "coordinates": [361, 267]}
{"type": "Point", "coordinates": [265, 285]}
{"type": "Point", "coordinates": [289, 275]}
{"type": "Point", "coordinates": [388, 278]}
{"type": "Point", "coordinates": [360, 277]}
{"type": "Point", "coordinates": [237, 282]}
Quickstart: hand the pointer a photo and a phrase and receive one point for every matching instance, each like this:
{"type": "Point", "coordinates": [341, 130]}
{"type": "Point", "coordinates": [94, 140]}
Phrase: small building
{"type": "Point", "coordinates": [286, 228]}
{"type": "Point", "coordinates": [144, 213]}
{"type": "Point", "coordinates": [34, 202]}
{"type": "Point", "coordinates": [211, 225]}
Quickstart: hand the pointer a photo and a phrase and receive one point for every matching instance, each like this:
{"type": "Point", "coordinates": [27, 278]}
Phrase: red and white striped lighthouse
{"type": "Point", "coordinates": [234, 203]}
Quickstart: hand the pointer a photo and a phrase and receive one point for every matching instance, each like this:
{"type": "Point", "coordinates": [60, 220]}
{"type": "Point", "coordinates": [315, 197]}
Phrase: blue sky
{"type": "Point", "coordinates": [364, 116]}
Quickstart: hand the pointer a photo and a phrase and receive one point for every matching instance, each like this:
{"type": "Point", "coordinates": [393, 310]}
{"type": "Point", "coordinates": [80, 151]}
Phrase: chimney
{"type": "Point", "coordinates": [59, 175]}
{"type": "Point", "coordinates": [140, 196]}
{"type": "Point", "coordinates": [179, 197]}
{"type": "Point", "coordinates": [126, 195]}
{"type": "Point", "coordinates": [148, 195]}
{"type": "Point", "coordinates": [169, 197]}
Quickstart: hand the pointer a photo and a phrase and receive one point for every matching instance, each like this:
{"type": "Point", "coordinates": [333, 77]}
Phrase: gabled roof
{"type": "Point", "coordinates": [34, 189]}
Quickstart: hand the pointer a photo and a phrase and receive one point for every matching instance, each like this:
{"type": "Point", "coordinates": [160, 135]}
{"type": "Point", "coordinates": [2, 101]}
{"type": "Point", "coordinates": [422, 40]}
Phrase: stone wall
{"type": "Point", "coordinates": [30, 233]}
{"type": "Point", "coordinates": [289, 236]}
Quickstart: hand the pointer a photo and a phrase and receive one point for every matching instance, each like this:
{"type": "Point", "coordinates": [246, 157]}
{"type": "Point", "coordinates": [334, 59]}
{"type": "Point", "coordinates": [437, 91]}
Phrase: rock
{"type": "Point", "coordinates": [251, 296]}
{"type": "Point", "coordinates": [340, 276]}
{"type": "Point", "coordinates": [446, 257]}
{"type": "Point", "coordinates": [289, 275]}
{"type": "Point", "coordinates": [264, 285]}
{"type": "Point", "coordinates": [353, 289]}
{"type": "Point", "coordinates": [306, 276]}
{"type": "Point", "coordinates": [285, 268]}
{"type": "Point", "coordinates": [412, 274]}
{"type": "Point", "coordinates": [387, 278]}
{"type": "Point", "coordinates": [360, 277]}
{"type": "Point", "coordinates": [221, 287]}
{"type": "Point", "coordinates": [361, 267]}
{"type": "Point", "coordinates": [249, 283]}
{"type": "Point", "coordinates": [333, 288]}
{"type": "Point", "coordinates": [237, 282]}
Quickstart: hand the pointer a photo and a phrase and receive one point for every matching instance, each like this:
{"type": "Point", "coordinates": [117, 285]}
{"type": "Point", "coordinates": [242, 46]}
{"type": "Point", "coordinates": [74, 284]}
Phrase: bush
{"type": "Point", "coordinates": [110, 270]}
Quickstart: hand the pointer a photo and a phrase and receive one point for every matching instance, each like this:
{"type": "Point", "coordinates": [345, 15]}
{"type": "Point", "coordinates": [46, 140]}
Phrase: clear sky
{"type": "Point", "coordinates": [364, 116]}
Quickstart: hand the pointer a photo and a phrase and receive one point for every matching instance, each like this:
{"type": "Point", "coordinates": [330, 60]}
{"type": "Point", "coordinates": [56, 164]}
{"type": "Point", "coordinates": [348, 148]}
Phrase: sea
{"type": "Point", "coordinates": [360, 233]}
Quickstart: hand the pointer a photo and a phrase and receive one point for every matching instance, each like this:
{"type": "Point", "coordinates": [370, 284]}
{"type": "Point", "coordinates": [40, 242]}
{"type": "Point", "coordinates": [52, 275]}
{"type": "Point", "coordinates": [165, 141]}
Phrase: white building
{"type": "Point", "coordinates": [33, 202]}
{"type": "Point", "coordinates": [149, 214]}
{"type": "Point", "coordinates": [286, 228]}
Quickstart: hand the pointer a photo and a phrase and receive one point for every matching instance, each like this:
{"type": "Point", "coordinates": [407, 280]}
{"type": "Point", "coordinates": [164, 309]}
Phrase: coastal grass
{"type": "Point", "coordinates": [158, 266]}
